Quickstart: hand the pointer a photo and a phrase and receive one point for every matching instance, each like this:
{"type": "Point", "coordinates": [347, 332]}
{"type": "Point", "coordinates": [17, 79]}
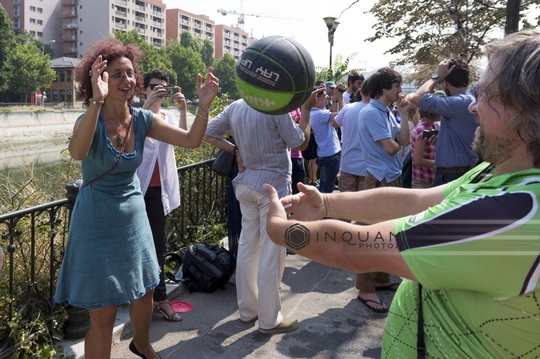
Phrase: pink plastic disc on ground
{"type": "Point", "coordinates": [181, 307]}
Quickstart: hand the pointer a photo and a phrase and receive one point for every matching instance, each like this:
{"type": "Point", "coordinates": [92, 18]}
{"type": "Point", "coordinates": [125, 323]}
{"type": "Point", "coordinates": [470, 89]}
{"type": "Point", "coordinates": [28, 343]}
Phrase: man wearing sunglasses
{"type": "Point", "coordinates": [454, 152]}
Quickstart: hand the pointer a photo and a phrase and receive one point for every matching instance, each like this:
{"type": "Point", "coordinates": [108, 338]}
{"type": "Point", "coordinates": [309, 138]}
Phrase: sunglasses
{"type": "Point", "coordinates": [478, 91]}
{"type": "Point", "coordinates": [153, 86]}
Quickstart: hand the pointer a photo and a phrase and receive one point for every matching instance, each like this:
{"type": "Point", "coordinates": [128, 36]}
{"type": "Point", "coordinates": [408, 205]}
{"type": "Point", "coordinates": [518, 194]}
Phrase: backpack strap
{"type": "Point", "coordinates": [420, 344]}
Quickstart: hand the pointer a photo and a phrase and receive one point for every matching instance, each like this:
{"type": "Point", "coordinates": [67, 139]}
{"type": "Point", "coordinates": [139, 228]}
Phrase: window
{"type": "Point", "coordinates": [33, 8]}
{"type": "Point", "coordinates": [16, 10]}
{"type": "Point", "coordinates": [17, 23]}
{"type": "Point", "coordinates": [55, 95]}
{"type": "Point", "coordinates": [68, 76]}
{"type": "Point", "coordinates": [39, 10]}
{"type": "Point", "coordinates": [33, 33]}
{"type": "Point", "coordinates": [40, 22]}
{"type": "Point", "coordinates": [63, 95]}
{"type": "Point", "coordinates": [61, 76]}
{"type": "Point", "coordinates": [40, 34]}
{"type": "Point", "coordinates": [32, 21]}
{"type": "Point", "coordinates": [69, 96]}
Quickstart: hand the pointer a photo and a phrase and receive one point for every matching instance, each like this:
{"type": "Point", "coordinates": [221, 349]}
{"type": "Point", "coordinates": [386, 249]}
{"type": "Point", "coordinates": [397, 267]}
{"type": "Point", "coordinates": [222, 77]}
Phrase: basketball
{"type": "Point", "coordinates": [275, 75]}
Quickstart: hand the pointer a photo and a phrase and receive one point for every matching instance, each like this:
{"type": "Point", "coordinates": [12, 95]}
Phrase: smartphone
{"type": "Point", "coordinates": [171, 90]}
{"type": "Point", "coordinates": [428, 134]}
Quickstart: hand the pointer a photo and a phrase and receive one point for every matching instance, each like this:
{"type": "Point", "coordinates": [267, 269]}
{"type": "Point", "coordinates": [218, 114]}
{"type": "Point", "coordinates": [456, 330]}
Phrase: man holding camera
{"type": "Point", "coordinates": [454, 152]}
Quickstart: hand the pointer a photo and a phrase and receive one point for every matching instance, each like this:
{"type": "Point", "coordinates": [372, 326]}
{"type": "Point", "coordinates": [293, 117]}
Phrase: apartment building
{"type": "Point", "coordinates": [87, 21]}
{"type": "Point", "coordinates": [199, 26]}
{"type": "Point", "coordinates": [231, 40]}
{"type": "Point", "coordinates": [41, 18]}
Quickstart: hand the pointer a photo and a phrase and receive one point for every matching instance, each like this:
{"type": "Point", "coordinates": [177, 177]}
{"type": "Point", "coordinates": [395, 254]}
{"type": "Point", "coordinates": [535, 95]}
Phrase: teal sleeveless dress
{"type": "Point", "coordinates": [110, 257]}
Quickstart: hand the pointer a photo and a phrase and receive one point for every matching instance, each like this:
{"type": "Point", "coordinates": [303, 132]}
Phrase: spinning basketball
{"type": "Point", "coordinates": [275, 75]}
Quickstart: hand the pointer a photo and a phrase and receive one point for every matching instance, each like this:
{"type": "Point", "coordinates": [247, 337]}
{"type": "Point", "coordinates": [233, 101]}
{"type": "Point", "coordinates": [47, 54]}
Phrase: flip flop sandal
{"type": "Point", "coordinates": [376, 310]}
{"type": "Point", "coordinates": [171, 318]}
{"type": "Point", "coordinates": [388, 288]}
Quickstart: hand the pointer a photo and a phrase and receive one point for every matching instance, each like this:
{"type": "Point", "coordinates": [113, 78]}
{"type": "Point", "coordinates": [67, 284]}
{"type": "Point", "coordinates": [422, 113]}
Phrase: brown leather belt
{"type": "Point", "coordinates": [450, 170]}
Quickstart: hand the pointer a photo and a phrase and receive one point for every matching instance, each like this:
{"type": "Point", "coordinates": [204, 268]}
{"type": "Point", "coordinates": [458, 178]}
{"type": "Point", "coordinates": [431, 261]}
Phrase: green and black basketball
{"type": "Point", "coordinates": [275, 75]}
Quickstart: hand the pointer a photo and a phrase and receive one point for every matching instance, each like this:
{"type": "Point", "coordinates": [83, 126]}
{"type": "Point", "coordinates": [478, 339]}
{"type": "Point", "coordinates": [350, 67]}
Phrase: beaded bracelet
{"type": "Point", "coordinates": [199, 114]}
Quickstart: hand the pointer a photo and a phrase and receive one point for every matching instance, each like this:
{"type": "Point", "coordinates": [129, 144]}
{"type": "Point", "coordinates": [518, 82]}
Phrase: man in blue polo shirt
{"type": "Point", "coordinates": [381, 137]}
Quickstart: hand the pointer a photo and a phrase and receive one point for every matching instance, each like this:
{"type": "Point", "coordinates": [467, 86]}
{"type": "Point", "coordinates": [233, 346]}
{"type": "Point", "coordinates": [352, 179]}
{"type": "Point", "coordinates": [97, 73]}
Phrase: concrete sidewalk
{"type": "Point", "coordinates": [333, 323]}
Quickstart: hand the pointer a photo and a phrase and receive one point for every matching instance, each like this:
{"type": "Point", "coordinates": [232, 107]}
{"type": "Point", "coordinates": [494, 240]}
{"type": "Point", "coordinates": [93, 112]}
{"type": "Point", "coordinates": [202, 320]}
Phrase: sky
{"type": "Point", "coordinates": [307, 26]}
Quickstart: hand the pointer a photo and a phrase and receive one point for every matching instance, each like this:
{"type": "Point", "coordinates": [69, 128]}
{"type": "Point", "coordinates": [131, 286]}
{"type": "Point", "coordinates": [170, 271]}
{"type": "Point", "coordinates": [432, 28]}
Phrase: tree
{"type": "Point", "coordinates": [339, 72]}
{"type": "Point", "coordinates": [7, 43]}
{"type": "Point", "coordinates": [225, 69]}
{"type": "Point", "coordinates": [430, 30]}
{"type": "Point", "coordinates": [33, 70]}
{"type": "Point", "coordinates": [154, 58]}
{"type": "Point", "coordinates": [189, 42]}
{"type": "Point", "coordinates": [207, 52]}
{"type": "Point", "coordinates": [187, 64]}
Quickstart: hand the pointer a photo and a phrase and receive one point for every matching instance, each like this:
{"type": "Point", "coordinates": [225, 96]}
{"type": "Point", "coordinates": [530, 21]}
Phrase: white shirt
{"type": "Point", "coordinates": [163, 153]}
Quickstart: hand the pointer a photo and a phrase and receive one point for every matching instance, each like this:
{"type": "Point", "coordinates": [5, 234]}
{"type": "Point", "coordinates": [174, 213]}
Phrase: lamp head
{"type": "Point", "coordinates": [329, 21]}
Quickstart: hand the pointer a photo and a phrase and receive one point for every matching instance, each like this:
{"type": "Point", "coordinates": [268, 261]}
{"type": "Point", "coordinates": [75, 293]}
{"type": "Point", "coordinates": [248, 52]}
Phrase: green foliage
{"type": "Point", "coordinates": [339, 71]}
{"type": "Point", "coordinates": [207, 52]}
{"type": "Point", "coordinates": [225, 69]}
{"type": "Point", "coordinates": [7, 43]}
{"type": "Point", "coordinates": [189, 42]}
{"type": "Point", "coordinates": [33, 70]}
{"type": "Point", "coordinates": [429, 31]}
{"type": "Point", "coordinates": [187, 64]}
{"type": "Point", "coordinates": [154, 58]}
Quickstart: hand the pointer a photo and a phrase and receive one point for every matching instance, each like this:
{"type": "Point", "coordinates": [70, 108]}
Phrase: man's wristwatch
{"type": "Point", "coordinates": [436, 78]}
{"type": "Point", "coordinates": [235, 150]}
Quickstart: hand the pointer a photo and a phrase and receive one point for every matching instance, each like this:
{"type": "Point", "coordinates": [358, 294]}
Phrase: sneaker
{"type": "Point", "coordinates": [287, 325]}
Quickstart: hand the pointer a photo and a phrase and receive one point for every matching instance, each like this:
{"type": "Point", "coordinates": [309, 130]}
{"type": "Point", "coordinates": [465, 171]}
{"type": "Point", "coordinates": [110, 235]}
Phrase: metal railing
{"type": "Point", "coordinates": [34, 240]}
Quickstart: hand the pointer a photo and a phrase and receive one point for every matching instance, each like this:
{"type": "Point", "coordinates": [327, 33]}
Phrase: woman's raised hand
{"type": "Point", "coordinates": [208, 90]}
{"type": "Point", "coordinates": [99, 79]}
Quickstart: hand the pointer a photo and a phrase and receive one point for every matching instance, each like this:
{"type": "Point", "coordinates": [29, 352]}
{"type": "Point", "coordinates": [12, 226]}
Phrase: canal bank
{"type": "Point", "coordinates": [32, 138]}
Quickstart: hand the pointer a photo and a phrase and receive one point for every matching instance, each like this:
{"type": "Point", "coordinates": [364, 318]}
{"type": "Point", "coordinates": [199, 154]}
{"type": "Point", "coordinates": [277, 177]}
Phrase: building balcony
{"type": "Point", "coordinates": [157, 34]}
{"type": "Point", "coordinates": [140, 7]}
{"type": "Point", "coordinates": [121, 13]}
{"type": "Point", "coordinates": [139, 18]}
{"type": "Point", "coordinates": [121, 2]}
{"type": "Point", "coordinates": [69, 13]}
{"type": "Point", "coordinates": [120, 25]}
{"type": "Point", "coordinates": [70, 2]}
{"type": "Point", "coordinates": [69, 26]}
{"type": "Point", "coordinates": [69, 38]}
{"type": "Point", "coordinates": [140, 30]}
{"type": "Point", "coordinates": [157, 13]}
{"type": "Point", "coordinates": [157, 24]}
{"type": "Point", "coordinates": [157, 44]}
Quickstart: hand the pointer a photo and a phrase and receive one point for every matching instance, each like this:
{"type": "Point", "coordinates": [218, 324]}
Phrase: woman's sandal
{"type": "Point", "coordinates": [158, 308]}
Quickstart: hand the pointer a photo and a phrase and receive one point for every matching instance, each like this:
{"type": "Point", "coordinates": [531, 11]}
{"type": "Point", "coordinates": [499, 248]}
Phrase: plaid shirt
{"type": "Point", "coordinates": [418, 172]}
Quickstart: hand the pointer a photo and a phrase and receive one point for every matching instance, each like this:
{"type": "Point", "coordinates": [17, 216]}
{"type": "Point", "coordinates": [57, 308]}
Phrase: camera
{"type": "Point", "coordinates": [171, 90]}
{"type": "Point", "coordinates": [341, 89]}
{"type": "Point", "coordinates": [428, 134]}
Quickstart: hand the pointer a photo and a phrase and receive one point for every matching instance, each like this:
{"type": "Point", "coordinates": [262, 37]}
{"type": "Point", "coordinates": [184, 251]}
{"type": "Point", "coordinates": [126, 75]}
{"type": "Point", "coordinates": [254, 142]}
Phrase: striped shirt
{"type": "Point", "coordinates": [264, 143]}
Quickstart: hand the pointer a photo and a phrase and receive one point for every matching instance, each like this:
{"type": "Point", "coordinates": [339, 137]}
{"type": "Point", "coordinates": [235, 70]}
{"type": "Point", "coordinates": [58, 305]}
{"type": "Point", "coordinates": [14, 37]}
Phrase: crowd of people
{"type": "Point", "coordinates": [461, 238]}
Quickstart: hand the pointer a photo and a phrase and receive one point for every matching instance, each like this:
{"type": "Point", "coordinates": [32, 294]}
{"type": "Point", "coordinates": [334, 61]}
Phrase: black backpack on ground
{"type": "Point", "coordinates": [207, 266]}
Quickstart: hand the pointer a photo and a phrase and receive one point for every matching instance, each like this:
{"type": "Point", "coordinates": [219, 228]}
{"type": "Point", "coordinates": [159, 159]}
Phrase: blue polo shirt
{"type": "Point", "coordinates": [375, 123]}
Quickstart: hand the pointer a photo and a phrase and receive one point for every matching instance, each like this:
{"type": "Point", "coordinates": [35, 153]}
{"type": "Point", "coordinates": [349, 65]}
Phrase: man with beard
{"type": "Point", "coordinates": [469, 250]}
{"type": "Point", "coordinates": [454, 153]}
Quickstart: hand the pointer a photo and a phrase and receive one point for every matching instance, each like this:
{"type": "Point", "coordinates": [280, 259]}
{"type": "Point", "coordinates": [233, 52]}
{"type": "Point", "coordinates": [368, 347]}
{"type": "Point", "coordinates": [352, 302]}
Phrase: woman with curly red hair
{"type": "Point", "coordinates": [110, 257]}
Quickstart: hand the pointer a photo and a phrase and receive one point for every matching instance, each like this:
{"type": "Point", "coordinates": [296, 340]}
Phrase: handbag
{"type": "Point", "coordinates": [223, 163]}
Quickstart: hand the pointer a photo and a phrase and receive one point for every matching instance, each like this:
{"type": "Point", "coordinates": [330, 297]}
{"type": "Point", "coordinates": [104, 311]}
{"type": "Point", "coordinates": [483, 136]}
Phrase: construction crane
{"type": "Point", "coordinates": [241, 15]}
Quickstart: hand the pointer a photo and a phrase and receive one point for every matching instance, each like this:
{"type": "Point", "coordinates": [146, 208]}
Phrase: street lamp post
{"type": "Point", "coordinates": [43, 47]}
{"type": "Point", "coordinates": [332, 25]}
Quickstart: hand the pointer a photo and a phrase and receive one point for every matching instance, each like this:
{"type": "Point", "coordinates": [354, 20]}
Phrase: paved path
{"type": "Point", "coordinates": [333, 324]}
